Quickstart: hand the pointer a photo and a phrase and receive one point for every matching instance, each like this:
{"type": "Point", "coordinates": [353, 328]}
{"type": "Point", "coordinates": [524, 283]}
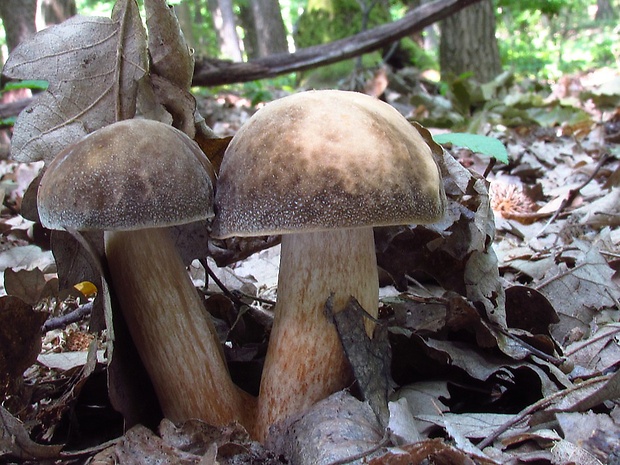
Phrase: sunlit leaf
{"type": "Point", "coordinates": [480, 144]}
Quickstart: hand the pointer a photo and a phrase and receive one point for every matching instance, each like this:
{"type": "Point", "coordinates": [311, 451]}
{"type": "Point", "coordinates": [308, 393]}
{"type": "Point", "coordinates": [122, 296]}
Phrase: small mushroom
{"type": "Point", "coordinates": [133, 179]}
{"type": "Point", "coordinates": [321, 168]}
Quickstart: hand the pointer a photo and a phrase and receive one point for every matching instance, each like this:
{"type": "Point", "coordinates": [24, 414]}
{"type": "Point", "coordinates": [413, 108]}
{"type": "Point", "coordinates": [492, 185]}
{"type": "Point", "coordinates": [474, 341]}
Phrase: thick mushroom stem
{"type": "Point", "coordinates": [305, 361]}
{"type": "Point", "coordinates": [174, 337]}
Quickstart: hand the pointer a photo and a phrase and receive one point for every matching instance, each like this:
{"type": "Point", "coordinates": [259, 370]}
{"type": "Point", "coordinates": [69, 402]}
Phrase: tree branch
{"type": "Point", "coordinates": [209, 72]}
{"type": "Point", "coordinates": [218, 72]}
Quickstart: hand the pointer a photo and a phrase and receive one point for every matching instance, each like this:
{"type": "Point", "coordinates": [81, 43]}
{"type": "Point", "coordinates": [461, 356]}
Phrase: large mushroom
{"type": "Point", "coordinates": [321, 168]}
{"type": "Point", "coordinates": [132, 180]}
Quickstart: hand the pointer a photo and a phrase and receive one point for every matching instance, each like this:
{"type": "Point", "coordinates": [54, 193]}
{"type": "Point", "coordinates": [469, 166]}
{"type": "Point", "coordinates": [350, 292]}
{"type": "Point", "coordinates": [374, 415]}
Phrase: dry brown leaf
{"type": "Point", "coordinates": [579, 291]}
{"type": "Point", "coordinates": [93, 66]}
{"type": "Point", "coordinates": [566, 453]}
{"type": "Point", "coordinates": [29, 285]}
{"type": "Point", "coordinates": [434, 451]}
{"type": "Point", "coordinates": [20, 339]}
{"type": "Point", "coordinates": [596, 432]}
{"type": "Point", "coordinates": [337, 428]}
{"type": "Point", "coordinates": [370, 359]}
{"type": "Point", "coordinates": [15, 441]}
{"type": "Point", "coordinates": [140, 446]}
{"type": "Point", "coordinates": [598, 353]}
{"type": "Point", "coordinates": [171, 58]}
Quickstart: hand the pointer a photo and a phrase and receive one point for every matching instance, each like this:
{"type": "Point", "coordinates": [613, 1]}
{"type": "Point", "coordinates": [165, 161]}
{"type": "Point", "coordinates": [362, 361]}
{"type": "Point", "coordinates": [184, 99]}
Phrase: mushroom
{"type": "Point", "coordinates": [321, 168]}
{"type": "Point", "coordinates": [133, 179]}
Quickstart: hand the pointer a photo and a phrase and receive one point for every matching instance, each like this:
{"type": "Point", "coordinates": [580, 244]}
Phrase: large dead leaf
{"type": "Point", "coordinates": [170, 56]}
{"type": "Point", "coordinates": [93, 65]}
{"type": "Point", "coordinates": [580, 286]}
{"type": "Point", "coordinates": [331, 431]}
{"type": "Point", "coordinates": [15, 440]}
{"type": "Point", "coordinates": [20, 340]}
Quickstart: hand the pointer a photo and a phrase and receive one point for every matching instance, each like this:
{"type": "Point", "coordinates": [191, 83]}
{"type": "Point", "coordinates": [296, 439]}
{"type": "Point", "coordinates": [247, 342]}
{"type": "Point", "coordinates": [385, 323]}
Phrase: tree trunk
{"type": "Point", "coordinates": [250, 37]}
{"type": "Point", "coordinates": [269, 27]}
{"type": "Point", "coordinates": [604, 10]}
{"type": "Point", "coordinates": [56, 11]}
{"type": "Point", "coordinates": [19, 19]}
{"type": "Point", "coordinates": [468, 43]}
{"type": "Point", "coordinates": [184, 16]}
{"type": "Point", "coordinates": [226, 29]}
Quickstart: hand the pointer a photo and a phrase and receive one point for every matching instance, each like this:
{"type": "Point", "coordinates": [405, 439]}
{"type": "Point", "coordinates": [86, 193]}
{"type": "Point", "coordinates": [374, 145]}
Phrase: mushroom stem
{"type": "Point", "coordinates": [176, 340]}
{"type": "Point", "coordinates": [305, 361]}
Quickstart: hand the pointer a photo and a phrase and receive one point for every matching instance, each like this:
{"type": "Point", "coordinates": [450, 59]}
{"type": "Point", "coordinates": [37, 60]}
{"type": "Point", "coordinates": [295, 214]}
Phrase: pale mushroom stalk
{"type": "Point", "coordinates": [305, 361]}
{"type": "Point", "coordinates": [168, 323]}
{"type": "Point", "coordinates": [132, 180]}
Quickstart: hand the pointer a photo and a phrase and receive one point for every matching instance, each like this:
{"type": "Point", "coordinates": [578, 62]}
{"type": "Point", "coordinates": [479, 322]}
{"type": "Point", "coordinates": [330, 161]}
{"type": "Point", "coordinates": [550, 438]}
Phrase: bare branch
{"type": "Point", "coordinates": [211, 73]}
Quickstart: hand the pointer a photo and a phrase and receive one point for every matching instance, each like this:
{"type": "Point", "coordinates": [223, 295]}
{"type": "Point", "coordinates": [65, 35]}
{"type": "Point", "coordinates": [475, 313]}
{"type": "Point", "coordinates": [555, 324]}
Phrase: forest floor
{"type": "Point", "coordinates": [530, 375]}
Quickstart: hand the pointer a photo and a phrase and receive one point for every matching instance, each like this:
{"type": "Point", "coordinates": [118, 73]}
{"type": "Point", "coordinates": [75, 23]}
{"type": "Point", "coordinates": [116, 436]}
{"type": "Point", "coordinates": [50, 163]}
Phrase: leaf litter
{"type": "Point", "coordinates": [502, 319]}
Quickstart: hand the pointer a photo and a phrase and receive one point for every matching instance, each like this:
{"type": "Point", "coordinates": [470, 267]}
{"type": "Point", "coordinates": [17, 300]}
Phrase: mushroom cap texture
{"type": "Point", "coordinates": [133, 174]}
{"type": "Point", "coordinates": [322, 160]}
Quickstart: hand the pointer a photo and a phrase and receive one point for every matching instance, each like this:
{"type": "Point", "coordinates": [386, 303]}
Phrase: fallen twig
{"type": "Point", "coordinates": [62, 321]}
{"type": "Point", "coordinates": [541, 404]}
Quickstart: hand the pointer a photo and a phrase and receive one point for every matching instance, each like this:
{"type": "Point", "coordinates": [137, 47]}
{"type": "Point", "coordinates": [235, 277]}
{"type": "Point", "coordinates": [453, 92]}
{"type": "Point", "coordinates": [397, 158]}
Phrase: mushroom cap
{"type": "Point", "coordinates": [325, 159]}
{"type": "Point", "coordinates": [133, 174]}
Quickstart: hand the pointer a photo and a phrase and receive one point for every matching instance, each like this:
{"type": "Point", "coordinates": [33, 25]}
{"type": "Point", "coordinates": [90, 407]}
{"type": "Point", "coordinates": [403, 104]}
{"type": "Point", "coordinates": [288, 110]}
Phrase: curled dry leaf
{"type": "Point", "coordinates": [171, 58]}
{"type": "Point", "coordinates": [337, 428]}
{"type": "Point", "coordinates": [370, 359]}
{"type": "Point", "coordinates": [20, 339]}
{"type": "Point", "coordinates": [29, 285]}
{"type": "Point", "coordinates": [192, 443]}
{"type": "Point", "coordinates": [429, 451]}
{"type": "Point", "coordinates": [15, 441]}
{"type": "Point", "coordinates": [456, 251]}
{"type": "Point", "coordinates": [172, 70]}
{"type": "Point", "coordinates": [93, 65]}
{"type": "Point", "coordinates": [587, 270]}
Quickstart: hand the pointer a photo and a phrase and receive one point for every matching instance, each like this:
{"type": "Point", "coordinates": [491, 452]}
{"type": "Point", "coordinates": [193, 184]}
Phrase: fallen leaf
{"type": "Point", "coordinates": [336, 428]}
{"type": "Point", "coordinates": [579, 291]}
{"type": "Point", "coordinates": [20, 339]}
{"type": "Point", "coordinates": [93, 65]}
{"type": "Point", "coordinates": [565, 452]}
{"type": "Point", "coordinates": [434, 451]}
{"type": "Point", "coordinates": [596, 432]}
{"type": "Point", "coordinates": [170, 55]}
{"type": "Point", "coordinates": [15, 441]}
{"type": "Point", "coordinates": [29, 285]}
{"type": "Point", "coordinates": [369, 358]}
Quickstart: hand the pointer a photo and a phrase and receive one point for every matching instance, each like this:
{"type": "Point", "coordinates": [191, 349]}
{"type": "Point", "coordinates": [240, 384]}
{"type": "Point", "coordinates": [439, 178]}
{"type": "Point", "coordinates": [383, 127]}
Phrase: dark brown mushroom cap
{"type": "Point", "coordinates": [133, 174]}
{"type": "Point", "coordinates": [322, 160]}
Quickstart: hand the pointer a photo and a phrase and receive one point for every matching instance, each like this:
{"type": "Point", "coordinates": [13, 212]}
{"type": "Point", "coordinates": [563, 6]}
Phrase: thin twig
{"type": "Point", "coordinates": [219, 283]}
{"type": "Point", "coordinates": [385, 441]}
{"type": "Point", "coordinates": [541, 404]}
{"type": "Point", "coordinates": [492, 162]}
{"type": "Point", "coordinates": [232, 295]}
{"type": "Point", "coordinates": [573, 193]}
{"type": "Point", "coordinates": [260, 300]}
{"type": "Point", "coordinates": [533, 350]}
{"type": "Point", "coordinates": [73, 316]}
{"type": "Point", "coordinates": [591, 340]}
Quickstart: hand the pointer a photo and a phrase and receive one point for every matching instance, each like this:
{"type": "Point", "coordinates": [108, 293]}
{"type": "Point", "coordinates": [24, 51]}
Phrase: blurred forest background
{"type": "Point", "coordinates": [540, 40]}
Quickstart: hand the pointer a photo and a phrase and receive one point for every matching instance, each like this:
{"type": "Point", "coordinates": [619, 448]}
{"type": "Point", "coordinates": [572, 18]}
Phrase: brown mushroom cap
{"type": "Point", "coordinates": [133, 174]}
{"type": "Point", "coordinates": [326, 159]}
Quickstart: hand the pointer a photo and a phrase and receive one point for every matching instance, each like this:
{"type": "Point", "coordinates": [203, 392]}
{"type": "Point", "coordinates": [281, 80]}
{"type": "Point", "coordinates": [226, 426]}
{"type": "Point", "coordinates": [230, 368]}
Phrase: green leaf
{"type": "Point", "coordinates": [34, 84]}
{"type": "Point", "coordinates": [480, 144]}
